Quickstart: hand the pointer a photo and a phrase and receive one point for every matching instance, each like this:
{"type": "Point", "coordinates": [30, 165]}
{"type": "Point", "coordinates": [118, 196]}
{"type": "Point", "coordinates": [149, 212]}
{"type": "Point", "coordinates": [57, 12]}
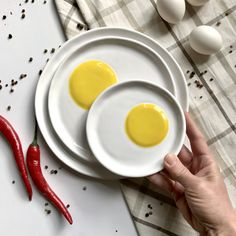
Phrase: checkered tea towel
{"type": "Point", "coordinates": [212, 104]}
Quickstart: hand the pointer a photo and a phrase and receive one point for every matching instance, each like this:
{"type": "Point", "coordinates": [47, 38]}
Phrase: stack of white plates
{"type": "Point", "coordinates": [132, 55]}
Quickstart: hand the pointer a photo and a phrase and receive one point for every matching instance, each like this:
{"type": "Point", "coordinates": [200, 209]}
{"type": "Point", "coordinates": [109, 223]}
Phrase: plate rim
{"type": "Point", "coordinates": [60, 153]}
{"type": "Point", "coordinates": [116, 87]}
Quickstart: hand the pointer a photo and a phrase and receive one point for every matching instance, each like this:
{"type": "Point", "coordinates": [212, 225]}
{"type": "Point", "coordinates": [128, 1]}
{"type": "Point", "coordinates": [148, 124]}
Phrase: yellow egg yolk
{"type": "Point", "coordinates": [147, 125]}
{"type": "Point", "coordinates": [88, 80]}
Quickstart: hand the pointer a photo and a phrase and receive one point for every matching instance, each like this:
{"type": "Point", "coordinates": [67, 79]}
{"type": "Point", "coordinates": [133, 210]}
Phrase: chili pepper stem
{"type": "Point", "coordinates": [35, 143]}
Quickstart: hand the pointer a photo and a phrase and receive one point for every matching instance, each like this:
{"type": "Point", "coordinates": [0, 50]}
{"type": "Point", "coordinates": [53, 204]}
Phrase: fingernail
{"type": "Point", "coordinates": [170, 159]}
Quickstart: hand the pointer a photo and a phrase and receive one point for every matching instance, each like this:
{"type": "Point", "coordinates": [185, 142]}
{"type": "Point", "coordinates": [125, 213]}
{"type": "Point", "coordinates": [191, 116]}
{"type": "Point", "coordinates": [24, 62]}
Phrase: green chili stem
{"type": "Point", "coordinates": [34, 143]}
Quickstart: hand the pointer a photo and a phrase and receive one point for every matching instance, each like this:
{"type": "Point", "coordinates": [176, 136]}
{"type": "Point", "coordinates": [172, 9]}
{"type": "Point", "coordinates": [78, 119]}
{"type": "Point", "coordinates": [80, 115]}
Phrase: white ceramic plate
{"type": "Point", "coordinates": [107, 135]}
{"type": "Point", "coordinates": [41, 102]}
{"type": "Point", "coordinates": [129, 59]}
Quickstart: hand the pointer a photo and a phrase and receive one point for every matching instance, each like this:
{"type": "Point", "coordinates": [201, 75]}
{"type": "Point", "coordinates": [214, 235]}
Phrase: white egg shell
{"type": "Point", "coordinates": [197, 2]}
{"type": "Point", "coordinates": [205, 40]}
{"type": "Point", "coordinates": [171, 11]}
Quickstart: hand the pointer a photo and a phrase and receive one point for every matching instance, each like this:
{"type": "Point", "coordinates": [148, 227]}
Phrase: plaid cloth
{"type": "Point", "coordinates": [212, 89]}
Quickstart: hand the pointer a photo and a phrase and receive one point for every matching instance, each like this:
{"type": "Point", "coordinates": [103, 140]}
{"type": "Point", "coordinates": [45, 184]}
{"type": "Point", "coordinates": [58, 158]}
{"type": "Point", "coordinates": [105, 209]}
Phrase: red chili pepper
{"type": "Point", "coordinates": [12, 137]}
{"type": "Point", "coordinates": [33, 163]}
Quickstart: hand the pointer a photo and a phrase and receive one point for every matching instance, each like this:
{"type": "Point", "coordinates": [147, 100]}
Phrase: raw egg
{"type": "Point", "coordinates": [88, 80]}
{"type": "Point", "coordinates": [147, 125]}
{"type": "Point", "coordinates": [205, 40]}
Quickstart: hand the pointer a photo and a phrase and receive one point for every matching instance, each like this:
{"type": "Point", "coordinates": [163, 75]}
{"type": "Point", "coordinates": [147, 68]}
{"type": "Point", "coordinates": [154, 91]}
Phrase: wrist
{"type": "Point", "coordinates": [227, 229]}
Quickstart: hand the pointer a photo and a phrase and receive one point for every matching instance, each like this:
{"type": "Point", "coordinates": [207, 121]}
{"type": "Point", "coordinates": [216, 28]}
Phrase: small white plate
{"type": "Point", "coordinates": [107, 135]}
{"type": "Point", "coordinates": [41, 97]}
{"type": "Point", "coordinates": [129, 59]}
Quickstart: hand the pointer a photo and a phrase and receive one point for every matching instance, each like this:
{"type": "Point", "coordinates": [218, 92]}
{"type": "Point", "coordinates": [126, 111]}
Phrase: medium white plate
{"type": "Point", "coordinates": [107, 134]}
{"type": "Point", "coordinates": [41, 102]}
{"type": "Point", "coordinates": [129, 59]}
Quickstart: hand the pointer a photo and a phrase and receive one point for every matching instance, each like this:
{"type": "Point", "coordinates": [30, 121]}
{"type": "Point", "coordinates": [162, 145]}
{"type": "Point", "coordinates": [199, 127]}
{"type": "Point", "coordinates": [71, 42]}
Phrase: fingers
{"type": "Point", "coordinates": [178, 172]}
{"type": "Point", "coordinates": [185, 156]}
{"type": "Point", "coordinates": [161, 182]}
{"type": "Point", "coordinates": [197, 141]}
{"type": "Point", "coordinates": [182, 204]}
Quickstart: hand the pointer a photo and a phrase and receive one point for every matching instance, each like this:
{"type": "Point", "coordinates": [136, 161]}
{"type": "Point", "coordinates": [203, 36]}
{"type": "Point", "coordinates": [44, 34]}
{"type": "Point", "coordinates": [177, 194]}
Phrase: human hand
{"type": "Point", "coordinates": [195, 182]}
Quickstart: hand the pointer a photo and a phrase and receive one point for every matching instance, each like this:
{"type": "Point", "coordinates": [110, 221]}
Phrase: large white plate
{"type": "Point", "coordinates": [41, 102]}
{"type": "Point", "coordinates": [129, 59]}
{"type": "Point", "coordinates": [107, 135]}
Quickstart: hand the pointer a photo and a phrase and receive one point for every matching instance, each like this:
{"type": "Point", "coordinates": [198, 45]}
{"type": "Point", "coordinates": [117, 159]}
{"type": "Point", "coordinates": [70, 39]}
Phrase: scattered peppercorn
{"type": "Point", "coordinates": [46, 204]}
{"type": "Point", "coordinates": [44, 2]}
{"type": "Point", "coordinates": [10, 13]}
{"type": "Point", "coordinates": [22, 76]}
{"type": "Point", "coordinates": [205, 71]}
{"type": "Point", "coordinates": [23, 16]}
{"type": "Point", "coordinates": [53, 50]}
{"type": "Point", "coordinates": [59, 167]}
{"type": "Point", "coordinates": [231, 46]}
{"type": "Point", "coordinates": [218, 23]}
{"type": "Point", "coordinates": [211, 79]}
{"type": "Point", "coordinates": [6, 85]}
{"type": "Point", "coordinates": [198, 84]}
{"type": "Point", "coordinates": [189, 84]}
{"type": "Point", "coordinates": [53, 172]}
{"type": "Point", "coordinates": [68, 205]}
{"type": "Point", "coordinates": [0, 87]}
{"type": "Point", "coordinates": [116, 230]}
{"type": "Point", "coordinates": [40, 72]}
{"type": "Point", "coordinates": [146, 215]}
{"type": "Point", "coordinates": [13, 83]}
{"type": "Point", "coordinates": [84, 188]}
{"type": "Point", "coordinates": [32, 1]}
{"type": "Point", "coordinates": [187, 71]}
{"type": "Point", "coordinates": [26, 1]}
{"type": "Point", "coordinates": [200, 97]}
{"type": "Point", "coordinates": [23, 11]}
{"type": "Point", "coordinates": [80, 26]}
{"type": "Point", "coordinates": [48, 211]}
{"type": "Point", "coordinates": [13, 181]}
{"type": "Point", "coordinates": [47, 60]}
{"type": "Point", "coordinates": [192, 75]}
{"type": "Point", "coordinates": [45, 167]}
{"type": "Point", "coordinates": [230, 51]}
{"type": "Point", "coordinates": [30, 59]}
{"type": "Point", "coordinates": [226, 14]}
{"type": "Point", "coordinates": [9, 108]}
{"type": "Point", "coordinates": [4, 17]}
{"type": "Point", "coordinates": [11, 90]}
{"type": "Point", "coordinates": [9, 36]}
{"type": "Point", "coordinates": [150, 213]}
{"type": "Point", "coordinates": [45, 51]}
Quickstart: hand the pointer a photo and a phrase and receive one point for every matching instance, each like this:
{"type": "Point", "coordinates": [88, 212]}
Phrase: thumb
{"type": "Point", "coordinates": [178, 171]}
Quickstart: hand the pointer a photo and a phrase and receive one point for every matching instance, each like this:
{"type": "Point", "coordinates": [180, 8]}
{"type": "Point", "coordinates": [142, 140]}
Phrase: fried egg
{"type": "Point", "coordinates": [88, 80]}
{"type": "Point", "coordinates": [146, 125]}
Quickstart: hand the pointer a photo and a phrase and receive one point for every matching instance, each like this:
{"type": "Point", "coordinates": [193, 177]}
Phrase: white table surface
{"type": "Point", "coordinates": [98, 210]}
